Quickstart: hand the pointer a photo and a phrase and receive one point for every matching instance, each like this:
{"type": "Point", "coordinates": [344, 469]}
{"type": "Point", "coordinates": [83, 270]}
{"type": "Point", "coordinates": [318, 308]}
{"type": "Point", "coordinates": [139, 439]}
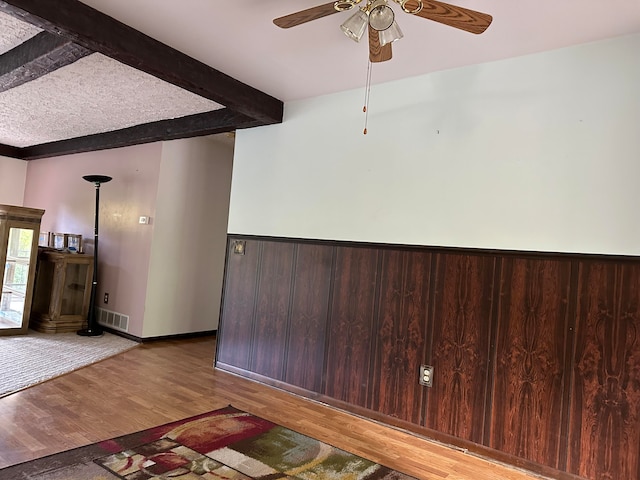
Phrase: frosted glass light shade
{"type": "Point", "coordinates": [355, 25]}
{"type": "Point", "coordinates": [381, 16]}
{"type": "Point", "coordinates": [391, 34]}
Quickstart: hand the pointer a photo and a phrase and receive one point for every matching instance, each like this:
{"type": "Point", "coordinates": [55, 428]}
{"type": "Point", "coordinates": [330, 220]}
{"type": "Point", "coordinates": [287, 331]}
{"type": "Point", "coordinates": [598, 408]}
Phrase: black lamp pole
{"type": "Point", "coordinates": [93, 329]}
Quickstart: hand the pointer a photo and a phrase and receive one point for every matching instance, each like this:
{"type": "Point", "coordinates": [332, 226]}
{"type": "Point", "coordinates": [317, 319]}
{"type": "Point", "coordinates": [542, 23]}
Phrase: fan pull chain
{"type": "Point", "coordinates": [367, 92]}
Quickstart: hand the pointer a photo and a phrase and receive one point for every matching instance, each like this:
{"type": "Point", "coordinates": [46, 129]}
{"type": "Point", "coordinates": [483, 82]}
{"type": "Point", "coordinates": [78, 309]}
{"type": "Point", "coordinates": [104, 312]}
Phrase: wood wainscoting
{"type": "Point", "coordinates": [536, 356]}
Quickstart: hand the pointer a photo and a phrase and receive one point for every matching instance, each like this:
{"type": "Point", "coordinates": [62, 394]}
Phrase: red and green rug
{"type": "Point", "coordinates": [224, 444]}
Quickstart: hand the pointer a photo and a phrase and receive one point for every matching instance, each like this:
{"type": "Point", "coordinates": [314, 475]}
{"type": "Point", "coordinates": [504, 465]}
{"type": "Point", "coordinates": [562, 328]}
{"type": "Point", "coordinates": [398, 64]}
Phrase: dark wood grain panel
{"type": "Point", "coordinates": [309, 316]}
{"type": "Point", "coordinates": [272, 309]}
{"type": "Point", "coordinates": [238, 305]}
{"type": "Point", "coordinates": [400, 346]}
{"type": "Point", "coordinates": [530, 358]}
{"type": "Point", "coordinates": [351, 325]}
{"type": "Point", "coordinates": [462, 311]}
{"type": "Point", "coordinates": [605, 409]}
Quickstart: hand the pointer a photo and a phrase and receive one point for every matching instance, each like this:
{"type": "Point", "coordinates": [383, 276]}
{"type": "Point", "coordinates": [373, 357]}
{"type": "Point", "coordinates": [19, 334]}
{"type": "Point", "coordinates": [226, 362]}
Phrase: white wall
{"type": "Point", "coordinates": [535, 153]}
{"type": "Point", "coordinates": [190, 226]}
{"type": "Point", "coordinates": [13, 177]}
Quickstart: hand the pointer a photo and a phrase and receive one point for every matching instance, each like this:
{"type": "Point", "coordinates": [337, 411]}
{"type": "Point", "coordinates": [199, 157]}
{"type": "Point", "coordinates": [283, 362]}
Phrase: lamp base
{"type": "Point", "coordinates": [91, 332]}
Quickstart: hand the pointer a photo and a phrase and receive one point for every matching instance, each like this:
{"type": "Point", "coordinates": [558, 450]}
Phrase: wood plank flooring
{"type": "Point", "coordinates": [164, 381]}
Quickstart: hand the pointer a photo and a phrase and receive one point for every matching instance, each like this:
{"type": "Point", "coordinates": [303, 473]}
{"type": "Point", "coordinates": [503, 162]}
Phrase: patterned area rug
{"type": "Point", "coordinates": [224, 444]}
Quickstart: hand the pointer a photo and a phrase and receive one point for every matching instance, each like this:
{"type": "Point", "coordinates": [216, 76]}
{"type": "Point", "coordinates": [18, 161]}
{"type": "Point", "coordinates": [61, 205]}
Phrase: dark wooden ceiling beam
{"type": "Point", "coordinates": [9, 151]}
{"type": "Point", "coordinates": [100, 33]}
{"type": "Point", "coordinates": [208, 123]}
{"type": "Point", "coordinates": [39, 55]}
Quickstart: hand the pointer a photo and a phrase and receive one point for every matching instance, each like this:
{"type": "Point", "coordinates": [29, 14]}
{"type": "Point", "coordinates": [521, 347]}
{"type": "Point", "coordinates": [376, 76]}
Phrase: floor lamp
{"type": "Point", "coordinates": [93, 329]}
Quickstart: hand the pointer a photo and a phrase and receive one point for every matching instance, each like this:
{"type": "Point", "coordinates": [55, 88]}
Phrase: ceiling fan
{"type": "Point", "coordinates": [378, 18]}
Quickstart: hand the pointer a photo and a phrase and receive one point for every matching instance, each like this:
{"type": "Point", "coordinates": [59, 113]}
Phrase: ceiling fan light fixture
{"type": "Point", "coordinates": [381, 15]}
{"type": "Point", "coordinates": [355, 26]}
{"type": "Point", "coordinates": [391, 34]}
{"type": "Point", "coordinates": [343, 5]}
{"type": "Point", "coordinates": [411, 6]}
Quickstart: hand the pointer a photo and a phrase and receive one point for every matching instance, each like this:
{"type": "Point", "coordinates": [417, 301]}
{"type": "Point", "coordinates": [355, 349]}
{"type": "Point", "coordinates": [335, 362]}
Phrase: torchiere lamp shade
{"type": "Point", "coordinates": [97, 178]}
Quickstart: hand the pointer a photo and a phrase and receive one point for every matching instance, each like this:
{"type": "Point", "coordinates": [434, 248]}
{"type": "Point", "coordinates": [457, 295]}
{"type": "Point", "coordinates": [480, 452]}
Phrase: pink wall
{"type": "Point", "coordinates": [13, 174]}
{"type": "Point", "coordinates": [56, 185]}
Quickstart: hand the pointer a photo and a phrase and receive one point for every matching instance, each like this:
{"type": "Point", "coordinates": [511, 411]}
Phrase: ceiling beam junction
{"type": "Point", "coordinates": [79, 30]}
{"type": "Point", "coordinates": [38, 56]}
{"type": "Point", "coordinates": [101, 33]}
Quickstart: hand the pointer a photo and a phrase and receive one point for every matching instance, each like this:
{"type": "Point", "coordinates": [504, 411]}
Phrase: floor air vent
{"type": "Point", "coordinates": [117, 321]}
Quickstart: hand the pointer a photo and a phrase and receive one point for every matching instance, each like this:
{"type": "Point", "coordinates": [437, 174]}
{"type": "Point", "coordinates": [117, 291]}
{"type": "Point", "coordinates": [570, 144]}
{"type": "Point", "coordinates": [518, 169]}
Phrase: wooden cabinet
{"type": "Point", "coordinates": [19, 232]}
{"type": "Point", "coordinates": [62, 291]}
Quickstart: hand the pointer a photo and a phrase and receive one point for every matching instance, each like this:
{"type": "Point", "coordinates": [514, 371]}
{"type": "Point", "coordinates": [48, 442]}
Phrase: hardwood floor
{"type": "Point", "coordinates": [164, 381]}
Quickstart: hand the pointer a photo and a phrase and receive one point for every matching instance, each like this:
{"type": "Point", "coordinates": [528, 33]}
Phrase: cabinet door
{"type": "Point", "coordinates": [17, 279]}
{"type": "Point", "coordinates": [77, 277]}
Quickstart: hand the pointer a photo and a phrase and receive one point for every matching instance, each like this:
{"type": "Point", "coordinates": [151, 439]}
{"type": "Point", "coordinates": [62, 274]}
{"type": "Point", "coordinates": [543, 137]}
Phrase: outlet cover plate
{"type": "Point", "coordinates": [426, 375]}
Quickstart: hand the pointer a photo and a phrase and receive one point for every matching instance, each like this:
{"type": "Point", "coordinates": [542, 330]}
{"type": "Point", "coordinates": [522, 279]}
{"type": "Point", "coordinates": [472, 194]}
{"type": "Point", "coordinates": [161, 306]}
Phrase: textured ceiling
{"type": "Point", "coordinates": [13, 32]}
{"type": "Point", "coordinates": [95, 94]}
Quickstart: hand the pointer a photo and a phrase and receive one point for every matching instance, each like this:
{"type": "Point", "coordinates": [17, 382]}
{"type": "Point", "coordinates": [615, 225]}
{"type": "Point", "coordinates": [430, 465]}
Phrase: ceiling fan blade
{"type": "Point", "coordinates": [378, 53]}
{"type": "Point", "coordinates": [304, 16]}
{"type": "Point", "coordinates": [457, 17]}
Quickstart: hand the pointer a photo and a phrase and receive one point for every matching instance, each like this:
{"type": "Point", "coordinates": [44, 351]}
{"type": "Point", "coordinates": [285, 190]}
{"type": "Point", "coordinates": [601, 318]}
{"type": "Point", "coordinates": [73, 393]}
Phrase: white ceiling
{"type": "Point", "coordinates": [239, 38]}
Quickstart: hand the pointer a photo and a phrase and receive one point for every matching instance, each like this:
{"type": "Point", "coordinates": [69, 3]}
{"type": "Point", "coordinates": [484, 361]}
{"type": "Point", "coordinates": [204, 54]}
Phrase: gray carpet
{"type": "Point", "coordinates": [27, 360]}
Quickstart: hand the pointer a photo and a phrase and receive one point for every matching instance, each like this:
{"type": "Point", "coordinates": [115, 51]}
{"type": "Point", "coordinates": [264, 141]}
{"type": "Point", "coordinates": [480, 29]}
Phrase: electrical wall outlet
{"type": "Point", "coordinates": [239, 247]}
{"type": "Point", "coordinates": [426, 375]}
{"type": "Point", "coordinates": [106, 298]}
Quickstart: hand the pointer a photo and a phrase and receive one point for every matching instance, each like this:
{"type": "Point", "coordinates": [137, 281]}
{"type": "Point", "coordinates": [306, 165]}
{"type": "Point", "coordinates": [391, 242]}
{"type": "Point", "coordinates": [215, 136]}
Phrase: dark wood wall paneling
{"type": "Point", "coordinates": [271, 316]}
{"type": "Point", "coordinates": [308, 320]}
{"type": "Point", "coordinates": [536, 356]}
{"type": "Point", "coordinates": [529, 374]}
{"type": "Point", "coordinates": [352, 325]}
{"type": "Point", "coordinates": [461, 340]}
{"type": "Point", "coordinates": [240, 287]}
{"type": "Point", "coordinates": [400, 346]}
{"type": "Point", "coordinates": [605, 407]}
